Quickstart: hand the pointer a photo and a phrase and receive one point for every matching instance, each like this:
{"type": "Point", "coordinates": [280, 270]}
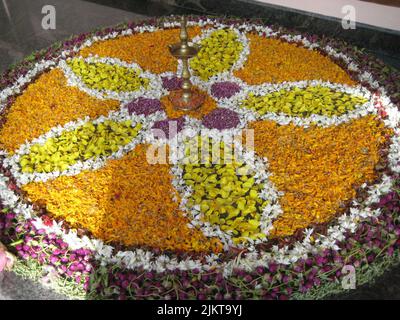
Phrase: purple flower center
{"type": "Point", "coordinates": [170, 127]}
{"type": "Point", "coordinates": [144, 106]}
{"type": "Point", "coordinates": [173, 83]}
{"type": "Point", "coordinates": [221, 119]}
{"type": "Point", "coordinates": [224, 89]}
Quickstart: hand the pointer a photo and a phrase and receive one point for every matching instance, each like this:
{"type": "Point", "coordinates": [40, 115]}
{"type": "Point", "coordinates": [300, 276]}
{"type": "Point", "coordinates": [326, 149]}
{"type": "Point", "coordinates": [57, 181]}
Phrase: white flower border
{"type": "Point", "coordinates": [145, 259]}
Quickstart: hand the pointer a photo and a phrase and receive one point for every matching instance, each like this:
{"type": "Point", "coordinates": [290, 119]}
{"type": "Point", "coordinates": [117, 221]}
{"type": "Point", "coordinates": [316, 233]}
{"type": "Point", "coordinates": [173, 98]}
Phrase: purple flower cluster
{"type": "Point", "coordinates": [141, 284]}
{"type": "Point", "coordinates": [173, 83]}
{"type": "Point", "coordinates": [224, 89]}
{"type": "Point", "coordinates": [144, 106]}
{"type": "Point", "coordinates": [47, 249]}
{"type": "Point", "coordinates": [221, 119]}
{"type": "Point", "coordinates": [170, 127]}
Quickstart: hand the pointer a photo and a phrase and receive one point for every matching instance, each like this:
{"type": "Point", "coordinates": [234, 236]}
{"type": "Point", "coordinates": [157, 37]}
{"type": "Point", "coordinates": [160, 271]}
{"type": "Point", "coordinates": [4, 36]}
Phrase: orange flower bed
{"type": "Point", "coordinates": [128, 201]}
{"type": "Point", "coordinates": [208, 106]}
{"type": "Point", "coordinates": [38, 109]}
{"type": "Point", "coordinates": [148, 49]}
{"type": "Point", "coordinates": [318, 168]}
{"type": "Point", "coordinates": [275, 61]}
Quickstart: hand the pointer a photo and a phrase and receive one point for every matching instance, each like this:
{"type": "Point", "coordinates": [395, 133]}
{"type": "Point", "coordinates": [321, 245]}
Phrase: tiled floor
{"type": "Point", "coordinates": [21, 29]}
{"type": "Point", "coordinates": [21, 33]}
{"type": "Point", "coordinates": [12, 287]}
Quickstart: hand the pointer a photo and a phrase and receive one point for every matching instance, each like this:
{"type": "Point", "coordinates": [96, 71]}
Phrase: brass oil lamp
{"type": "Point", "coordinates": [185, 98]}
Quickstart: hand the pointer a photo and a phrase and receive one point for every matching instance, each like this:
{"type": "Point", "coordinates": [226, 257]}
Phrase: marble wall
{"type": "Point", "coordinates": [383, 16]}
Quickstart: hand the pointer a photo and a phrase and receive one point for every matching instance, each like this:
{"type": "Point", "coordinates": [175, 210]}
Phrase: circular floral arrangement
{"type": "Point", "coordinates": [88, 211]}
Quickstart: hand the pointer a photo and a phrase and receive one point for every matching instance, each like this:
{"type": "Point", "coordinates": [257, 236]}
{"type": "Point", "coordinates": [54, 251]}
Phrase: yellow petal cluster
{"type": "Point", "coordinates": [103, 76]}
{"type": "Point", "coordinates": [218, 53]}
{"type": "Point", "coordinates": [223, 188]}
{"type": "Point", "coordinates": [304, 102]}
{"type": "Point", "coordinates": [85, 142]}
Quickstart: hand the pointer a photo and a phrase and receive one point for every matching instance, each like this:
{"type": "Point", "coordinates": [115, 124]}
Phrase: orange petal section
{"type": "Point", "coordinates": [318, 168]}
{"type": "Point", "coordinates": [128, 201]}
{"type": "Point", "coordinates": [46, 103]}
{"type": "Point", "coordinates": [148, 49]}
{"type": "Point", "coordinates": [272, 60]}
